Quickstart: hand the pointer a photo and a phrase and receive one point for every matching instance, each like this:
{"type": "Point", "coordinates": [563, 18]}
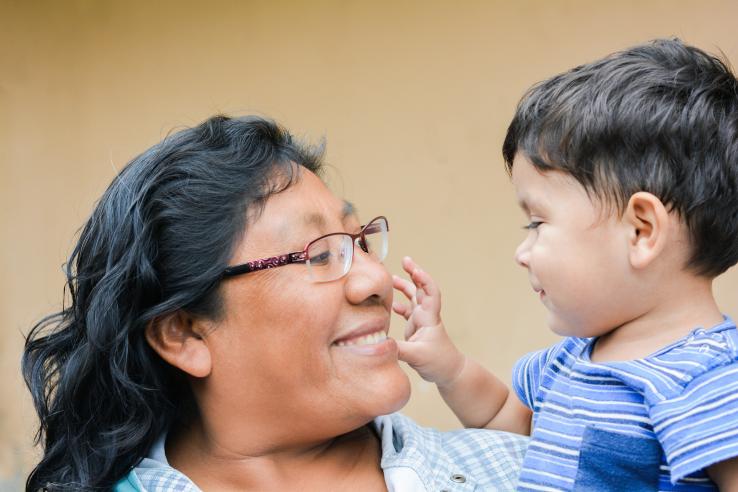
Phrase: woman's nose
{"type": "Point", "coordinates": [367, 279]}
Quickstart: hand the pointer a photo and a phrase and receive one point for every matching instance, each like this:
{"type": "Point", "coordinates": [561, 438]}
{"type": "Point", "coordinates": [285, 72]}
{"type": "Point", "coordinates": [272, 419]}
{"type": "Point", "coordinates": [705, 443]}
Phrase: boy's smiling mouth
{"type": "Point", "coordinates": [538, 290]}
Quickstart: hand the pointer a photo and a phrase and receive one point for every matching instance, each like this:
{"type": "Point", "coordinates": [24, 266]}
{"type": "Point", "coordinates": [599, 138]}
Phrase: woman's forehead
{"type": "Point", "coordinates": [309, 204]}
{"type": "Point", "coordinates": [303, 201]}
{"type": "Point", "coordinates": [318, 219]}
{"type": "Point", "coordinates": [292, 217]}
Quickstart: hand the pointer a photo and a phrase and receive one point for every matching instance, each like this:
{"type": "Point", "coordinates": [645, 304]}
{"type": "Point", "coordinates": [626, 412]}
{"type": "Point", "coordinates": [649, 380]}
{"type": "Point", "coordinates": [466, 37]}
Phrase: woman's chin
{"type": "Point", "coordinates": [378, 385]}
{"type": "Point", "coordinates": [392, 395]}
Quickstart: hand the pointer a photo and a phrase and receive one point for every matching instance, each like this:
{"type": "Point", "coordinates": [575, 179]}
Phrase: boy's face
{"type": "Point", "coordinates": [576, 254]}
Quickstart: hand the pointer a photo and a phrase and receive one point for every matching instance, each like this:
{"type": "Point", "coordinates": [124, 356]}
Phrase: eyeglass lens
{"type": "Point", "coordinates": [376, 239]}
{"type": "Point", "coordinates": [330, 257]}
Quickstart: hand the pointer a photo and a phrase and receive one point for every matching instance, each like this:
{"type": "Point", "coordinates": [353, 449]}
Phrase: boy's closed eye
{"type": "Point", "coordinates": [533, 224]}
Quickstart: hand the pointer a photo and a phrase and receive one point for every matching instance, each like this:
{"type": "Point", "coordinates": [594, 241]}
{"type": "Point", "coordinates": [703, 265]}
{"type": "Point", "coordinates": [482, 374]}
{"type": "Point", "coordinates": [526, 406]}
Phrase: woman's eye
{"type": "Point", "coordinates": [321, 258]}
{"type": "Point", "coordinates": [533, 225]}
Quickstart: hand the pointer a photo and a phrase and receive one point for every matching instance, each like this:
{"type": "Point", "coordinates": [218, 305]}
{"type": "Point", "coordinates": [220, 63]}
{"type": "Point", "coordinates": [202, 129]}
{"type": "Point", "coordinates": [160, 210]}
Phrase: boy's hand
{"type": "Point", "coordinates": [427, 348]}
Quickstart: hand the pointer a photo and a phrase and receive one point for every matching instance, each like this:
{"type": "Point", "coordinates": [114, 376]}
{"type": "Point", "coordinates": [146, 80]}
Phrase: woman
{"type": "Point", "coordinates": [227, 330]}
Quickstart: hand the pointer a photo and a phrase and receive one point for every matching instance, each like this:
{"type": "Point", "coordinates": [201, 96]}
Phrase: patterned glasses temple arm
{"type": "Point", "coordinates": [301, 256]}
{"type": "Point", "coordinates": [263, 264]}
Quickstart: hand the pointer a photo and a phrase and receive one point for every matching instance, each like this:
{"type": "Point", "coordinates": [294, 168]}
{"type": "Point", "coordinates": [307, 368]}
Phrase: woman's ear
{"type": "Point", "coordinates": [649, 225]}
{"type": "Point", "coordinates": [177, 340]}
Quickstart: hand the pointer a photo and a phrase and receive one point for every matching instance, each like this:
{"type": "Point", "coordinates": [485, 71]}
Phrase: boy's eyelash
{"type": "Point", "coordinates": [533, 225]}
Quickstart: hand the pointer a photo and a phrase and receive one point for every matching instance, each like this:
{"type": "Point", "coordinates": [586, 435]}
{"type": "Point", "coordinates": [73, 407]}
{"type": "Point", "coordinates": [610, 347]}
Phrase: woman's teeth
{"type": "Point", "coordinates": [370, 339]}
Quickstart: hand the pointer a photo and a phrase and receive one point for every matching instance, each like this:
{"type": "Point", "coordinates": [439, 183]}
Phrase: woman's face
{"type": "Point", "coordinates": [281, 364]}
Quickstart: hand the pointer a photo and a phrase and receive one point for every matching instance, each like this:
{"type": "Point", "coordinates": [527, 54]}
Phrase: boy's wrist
{"type": "Point", "coordinates": [456, 367]}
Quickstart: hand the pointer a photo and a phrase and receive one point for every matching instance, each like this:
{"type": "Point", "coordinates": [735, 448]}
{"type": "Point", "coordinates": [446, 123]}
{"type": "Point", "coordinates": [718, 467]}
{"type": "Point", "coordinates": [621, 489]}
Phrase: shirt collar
{"type": "Point", "coordinates": [404, 443]}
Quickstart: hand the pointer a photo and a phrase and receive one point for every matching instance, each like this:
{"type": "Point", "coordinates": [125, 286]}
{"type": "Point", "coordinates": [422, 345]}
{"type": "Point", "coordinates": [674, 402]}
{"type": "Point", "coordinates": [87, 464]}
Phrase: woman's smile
{"type": "Point", "coordinates": [369, 338]}
{"type": "Point", "coordinates": [374, 345]}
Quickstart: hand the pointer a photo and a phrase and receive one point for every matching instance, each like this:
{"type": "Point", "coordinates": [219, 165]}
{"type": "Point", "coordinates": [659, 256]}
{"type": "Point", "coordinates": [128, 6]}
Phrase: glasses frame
{"type": "Point", "coordinates": [301, 256]}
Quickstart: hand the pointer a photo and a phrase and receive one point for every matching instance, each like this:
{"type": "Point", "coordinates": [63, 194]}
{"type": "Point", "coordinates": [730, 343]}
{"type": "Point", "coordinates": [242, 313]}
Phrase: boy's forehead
{"type": "Point", "coordinates": [529, 183]}
{"type": "Point", "coordinates": [523, 171]}
{"type": "Point", "coordinates": [529, 201]}
{"type": "Point", "coordinates": [535, 188]}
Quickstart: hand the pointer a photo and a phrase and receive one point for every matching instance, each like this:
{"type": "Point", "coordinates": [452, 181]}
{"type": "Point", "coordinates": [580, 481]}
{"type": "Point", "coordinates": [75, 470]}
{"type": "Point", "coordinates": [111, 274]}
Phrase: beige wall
{"type": "Point", "coordinates": [413, 97]}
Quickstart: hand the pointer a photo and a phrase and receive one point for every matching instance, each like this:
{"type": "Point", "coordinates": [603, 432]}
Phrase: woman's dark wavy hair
{"type": "Point", "coordinates": [661, 117]}
{"type": "Point", "coordinates": [156, 242]}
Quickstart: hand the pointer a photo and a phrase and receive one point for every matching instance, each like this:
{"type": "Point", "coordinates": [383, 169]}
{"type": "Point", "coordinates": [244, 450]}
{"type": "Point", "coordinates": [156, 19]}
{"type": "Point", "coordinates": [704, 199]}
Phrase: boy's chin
{"type": "Point", "coordinates": [568, 328]}
{"type": "Point", "coordinates": [562, 327]}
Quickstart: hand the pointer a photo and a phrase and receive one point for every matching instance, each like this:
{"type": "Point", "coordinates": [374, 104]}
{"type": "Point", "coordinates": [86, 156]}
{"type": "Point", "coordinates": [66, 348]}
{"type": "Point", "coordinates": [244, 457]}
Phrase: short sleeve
{"type": "Point", "coordinates": [526, 375]}
{"type": "Point", "coordinates": [699, 427]}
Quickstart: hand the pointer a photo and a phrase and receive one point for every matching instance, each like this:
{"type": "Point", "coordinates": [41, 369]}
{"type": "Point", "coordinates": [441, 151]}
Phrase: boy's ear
{"type": "Point", "coordinates": [179, 341]}
{"type": "Point", "coordinates": [649, 228]}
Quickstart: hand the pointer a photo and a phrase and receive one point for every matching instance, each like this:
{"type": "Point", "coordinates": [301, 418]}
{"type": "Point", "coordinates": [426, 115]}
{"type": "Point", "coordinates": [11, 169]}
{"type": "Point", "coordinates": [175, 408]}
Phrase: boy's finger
{"type": "Point", "coordinates": [402, 309]}
{"type": "Point", "coordinates": [408, 265]}
{"type": "Point", "coordinates": [404, 286]}
{"type": "Point", "coordinates": [422, 279]}
{"type": "Point", "coordinates": [419, 333]}
{"type": "Point", "coordinates": [410, 330]}
{"type": "Point", "coordinates": [406, 352]}
{"type": "Point", "coordinates": [419, 296]}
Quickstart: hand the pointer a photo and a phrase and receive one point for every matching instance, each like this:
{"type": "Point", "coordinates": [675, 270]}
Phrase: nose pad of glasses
{"type": "Point", "coordinates": [361, 244]}
{"type": "Point", "coordinates": [347, 254]}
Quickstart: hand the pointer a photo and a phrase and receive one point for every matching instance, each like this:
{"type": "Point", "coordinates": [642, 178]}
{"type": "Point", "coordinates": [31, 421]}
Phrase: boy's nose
{"type": "Point", "coordinates": [522, 254]}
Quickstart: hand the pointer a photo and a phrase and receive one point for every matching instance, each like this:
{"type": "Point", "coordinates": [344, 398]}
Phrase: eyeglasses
{"type": "Point", "coordinates": [329, 257]}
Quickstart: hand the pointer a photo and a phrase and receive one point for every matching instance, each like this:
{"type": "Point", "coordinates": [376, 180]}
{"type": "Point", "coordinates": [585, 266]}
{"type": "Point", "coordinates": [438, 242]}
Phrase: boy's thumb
{"type": "Point", "coordinates": [406, 351]}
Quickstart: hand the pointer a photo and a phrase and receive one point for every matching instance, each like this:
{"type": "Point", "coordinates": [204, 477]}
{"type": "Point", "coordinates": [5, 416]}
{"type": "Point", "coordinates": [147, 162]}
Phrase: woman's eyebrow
{"type": "Point", "coordinates": [348, 209]}
{"type": "Point", "coordinates": [313, 219]}
{"type": "Point", "coordinates": [318, 220]}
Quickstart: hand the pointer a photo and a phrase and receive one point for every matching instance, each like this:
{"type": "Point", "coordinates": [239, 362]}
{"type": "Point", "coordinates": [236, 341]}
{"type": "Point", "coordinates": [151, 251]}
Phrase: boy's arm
{"type": "Point", "coordinates": [725, 475]}
{"type": "Point", "coordinates": [476, 396]}
{"type": "Point", "coordinates": [480, 399]}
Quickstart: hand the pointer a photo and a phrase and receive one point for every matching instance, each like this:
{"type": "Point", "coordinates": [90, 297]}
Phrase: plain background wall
{"type": "Point", "coordinates": [413, 98]}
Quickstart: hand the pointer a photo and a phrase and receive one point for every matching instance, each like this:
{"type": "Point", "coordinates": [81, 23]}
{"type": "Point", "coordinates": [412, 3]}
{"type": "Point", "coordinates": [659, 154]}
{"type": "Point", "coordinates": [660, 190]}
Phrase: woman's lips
{"type": "Point", "coordinates": [374, 346]}
{"type": "Point", "coordinates": [368, 338]}
{"type": "Point", "coordinates": [369, 331]}
{"type": "Point", "coordinates": [360, 340]}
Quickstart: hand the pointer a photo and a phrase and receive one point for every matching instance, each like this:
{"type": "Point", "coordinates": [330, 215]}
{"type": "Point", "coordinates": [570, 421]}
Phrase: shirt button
{"type": "Point", "coordinates": [458, 478]}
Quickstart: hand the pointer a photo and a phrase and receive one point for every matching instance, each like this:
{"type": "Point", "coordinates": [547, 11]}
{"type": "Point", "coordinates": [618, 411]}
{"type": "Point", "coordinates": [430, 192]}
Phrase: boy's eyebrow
{"type": "Point", "coordinates": [528, 203]}
{"type": "Point", "coordinates": [531, 204]}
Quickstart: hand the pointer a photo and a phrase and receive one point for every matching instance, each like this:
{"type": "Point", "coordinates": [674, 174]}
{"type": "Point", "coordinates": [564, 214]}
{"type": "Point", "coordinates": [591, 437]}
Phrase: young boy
{"type": "Point", "coordinates": [627, 169]}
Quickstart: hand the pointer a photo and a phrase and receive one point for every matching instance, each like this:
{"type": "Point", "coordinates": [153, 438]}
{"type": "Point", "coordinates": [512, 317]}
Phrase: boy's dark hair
{"type": "Point", "coordinates": [157, 242]}
{"type": "Point", "coordinates": [660, 117]}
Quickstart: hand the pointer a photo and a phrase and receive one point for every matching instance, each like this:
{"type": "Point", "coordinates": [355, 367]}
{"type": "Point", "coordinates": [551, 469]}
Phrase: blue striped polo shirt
{"type": "Point", "coordinates": [646, 424]}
